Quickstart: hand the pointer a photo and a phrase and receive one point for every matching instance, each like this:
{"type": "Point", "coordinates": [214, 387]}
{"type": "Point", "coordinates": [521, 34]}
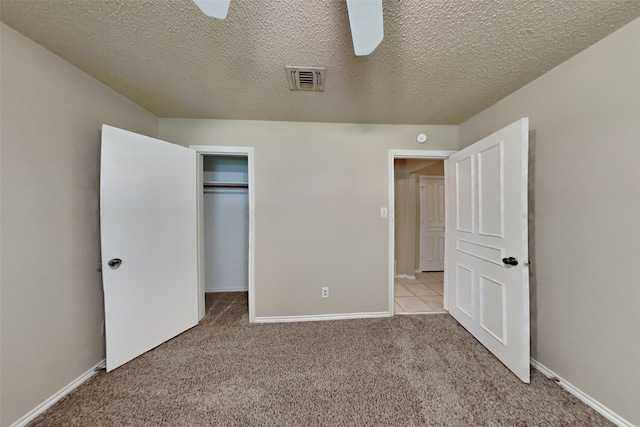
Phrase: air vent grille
{"type": "Point", "coordinates": [306, 78]}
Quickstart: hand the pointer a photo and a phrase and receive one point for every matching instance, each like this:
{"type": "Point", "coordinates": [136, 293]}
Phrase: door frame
{"type": "Point", "coordinates": [212, 150]}
{"type": "Point", "coordinates": [409, 154]}
{"type": "Point", "coordinates": [425, 177]}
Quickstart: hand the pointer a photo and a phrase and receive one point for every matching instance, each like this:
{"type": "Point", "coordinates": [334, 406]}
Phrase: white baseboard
{"type": "Point", "coordinates": [213, 291]}
{"type": "Point", "coordinates": [590, 401]}
{"type": "Point", "coordinates": [317, 317]}
{"type": "Point", "coordinates": [26, 419]}
{"type": "Point", "coordinates": [405, 276]}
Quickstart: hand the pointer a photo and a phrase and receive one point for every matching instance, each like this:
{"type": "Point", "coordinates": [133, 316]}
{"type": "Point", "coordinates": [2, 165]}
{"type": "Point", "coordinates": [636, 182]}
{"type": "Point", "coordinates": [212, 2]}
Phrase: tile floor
{"type": "Point", "coordinates": [420, 295]}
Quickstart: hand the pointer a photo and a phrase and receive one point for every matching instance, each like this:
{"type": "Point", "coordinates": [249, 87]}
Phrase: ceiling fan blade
{"type": "Point", "coordinates": [365, 18]}
{"type": "Point", "coordinates": [214, 8]}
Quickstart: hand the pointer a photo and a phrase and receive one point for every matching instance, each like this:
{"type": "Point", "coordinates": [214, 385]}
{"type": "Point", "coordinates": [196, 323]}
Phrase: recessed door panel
{"type": "Point", "coordinates": [492, 307]}
{"type": "Point", "coordinates": [464, 194]}
{"type": "Point", "coordinates": [464, 290]}
{"type": "Point", "coordinates": [441, 210]}
{"type": "Point", "coordinates": [490, 191]}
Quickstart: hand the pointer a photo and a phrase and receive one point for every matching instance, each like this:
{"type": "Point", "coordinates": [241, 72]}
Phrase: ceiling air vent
{"type": "Point", "coordinates": [306, 78]}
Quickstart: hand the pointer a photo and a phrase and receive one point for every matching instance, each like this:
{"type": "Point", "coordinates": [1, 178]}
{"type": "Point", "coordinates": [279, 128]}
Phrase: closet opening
{"type": "Point", "coordinates": [225, 254]}
{"type": "Point", "coordinates": [225, 210]}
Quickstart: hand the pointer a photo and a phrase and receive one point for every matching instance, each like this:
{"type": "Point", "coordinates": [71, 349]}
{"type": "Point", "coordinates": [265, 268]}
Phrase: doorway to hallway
{"type": "Point", "coordinates": [417, 179]}
{"type": "Point", "coordinates": [421, 295]}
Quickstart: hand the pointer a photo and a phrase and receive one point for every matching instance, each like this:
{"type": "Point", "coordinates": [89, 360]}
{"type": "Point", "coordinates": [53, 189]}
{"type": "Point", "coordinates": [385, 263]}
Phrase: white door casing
{"type": "Point", "coordinates": [432, 224]}
{"type": "Point", "coordinates": [486, 223]}
{"type": "Point", "coordinates": [147, 220]}
{"type": "Point", "coordinates": [405, 154]}
{"type": "Point", "coordinates": [203, 150]}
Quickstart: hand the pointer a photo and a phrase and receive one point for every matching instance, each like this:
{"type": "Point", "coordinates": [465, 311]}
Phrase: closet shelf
{"type": "Point", "coordinates": [226, 185]}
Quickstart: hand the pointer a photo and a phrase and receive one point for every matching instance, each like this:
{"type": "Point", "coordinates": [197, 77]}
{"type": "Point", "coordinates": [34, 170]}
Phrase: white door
{"type": "Point", "coordinates": [432, 223]}
{"type": "Point", "coordinates": [486, 273]}
{"type": "Point", "coordinates": [149, 242]}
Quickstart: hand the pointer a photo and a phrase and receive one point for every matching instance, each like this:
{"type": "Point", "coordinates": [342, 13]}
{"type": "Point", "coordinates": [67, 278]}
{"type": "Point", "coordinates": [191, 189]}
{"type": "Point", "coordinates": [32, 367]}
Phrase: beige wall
{"type": "Point", "coordinates": [585, 133]}
{"type": "Point", "coordinates": [432, 169]}
{"type": "Point", "coordinates": [51, 292]}
{"type": "Point", "coordinates": [318, 191]}
{"type": "Point", "coordinates": [405, 219]}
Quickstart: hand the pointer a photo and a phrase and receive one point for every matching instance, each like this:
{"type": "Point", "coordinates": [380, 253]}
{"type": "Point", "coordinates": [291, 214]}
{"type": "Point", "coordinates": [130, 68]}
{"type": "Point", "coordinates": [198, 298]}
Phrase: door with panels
{"type": "Point", "coordinates": [432, 223]}
{"type": "Point", "coordinates": [486, 268]}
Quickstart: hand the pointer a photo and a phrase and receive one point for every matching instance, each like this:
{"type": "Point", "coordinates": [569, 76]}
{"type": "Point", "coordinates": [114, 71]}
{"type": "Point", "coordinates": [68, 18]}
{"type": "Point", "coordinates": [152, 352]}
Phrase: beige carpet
{"type": "Point", "coordinates": [400, 371]}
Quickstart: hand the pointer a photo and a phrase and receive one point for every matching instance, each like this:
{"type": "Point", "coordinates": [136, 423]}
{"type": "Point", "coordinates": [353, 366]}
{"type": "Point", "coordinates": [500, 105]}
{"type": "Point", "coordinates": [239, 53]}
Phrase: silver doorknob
{"type": "Point", "coordinates": [114, 263]}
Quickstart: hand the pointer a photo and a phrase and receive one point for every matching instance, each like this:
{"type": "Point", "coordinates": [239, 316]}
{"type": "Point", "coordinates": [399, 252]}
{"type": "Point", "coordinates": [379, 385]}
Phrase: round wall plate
{"type": "Point", "coordinates": [422, 138]}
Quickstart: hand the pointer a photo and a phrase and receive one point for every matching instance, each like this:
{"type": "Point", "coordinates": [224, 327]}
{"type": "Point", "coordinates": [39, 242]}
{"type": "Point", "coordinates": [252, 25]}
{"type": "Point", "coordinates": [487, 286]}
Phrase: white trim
{"type": "Point", "coordinates": [317, 317]}
{"type": "Point", "coordinates": [228, 150]}
{"type": "Point", "coordinates": [213, 291]}
{"type": "Point", "coordinates": [200, 236]}
{"type": "Point", "coordinates": [411, 313]}
{"type": "Point", "coordinates": [248, 152]}
{"type": "Point", "coordinates": [31, 415]}
{"type": "Point", "coordinates": [421, 154]}
{"type": "Point", "coordinates": [406, 154]}
{"type": "Point", "coordinates": [584, 397]}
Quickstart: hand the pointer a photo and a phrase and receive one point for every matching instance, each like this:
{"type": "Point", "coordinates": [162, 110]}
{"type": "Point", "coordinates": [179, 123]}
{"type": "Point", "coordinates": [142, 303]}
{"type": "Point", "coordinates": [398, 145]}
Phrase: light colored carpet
{"type": "Point", "coordinates": [401, 371]}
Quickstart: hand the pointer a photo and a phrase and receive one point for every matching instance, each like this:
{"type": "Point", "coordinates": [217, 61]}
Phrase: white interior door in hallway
{"type": "Point", "coordinates": [487, 274]}
{"type": "Point", "coordinates": [432, 223]}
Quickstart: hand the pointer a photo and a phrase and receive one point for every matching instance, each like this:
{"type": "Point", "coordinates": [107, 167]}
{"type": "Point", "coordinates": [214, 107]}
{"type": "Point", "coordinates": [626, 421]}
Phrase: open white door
{"type": "Point", "coordinates": [487, 256]}
{"type": "Point", "coordinates": [149, 242]}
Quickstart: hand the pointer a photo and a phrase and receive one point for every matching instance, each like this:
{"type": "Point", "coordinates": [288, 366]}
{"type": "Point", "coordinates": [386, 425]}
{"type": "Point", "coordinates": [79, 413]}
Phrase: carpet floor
{"type": "Point", "coordinates": [400, 371]}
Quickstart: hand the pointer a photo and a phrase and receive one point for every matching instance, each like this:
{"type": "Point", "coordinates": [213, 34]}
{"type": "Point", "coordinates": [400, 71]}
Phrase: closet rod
{"type": "Point", "coordinates": [226, 185]}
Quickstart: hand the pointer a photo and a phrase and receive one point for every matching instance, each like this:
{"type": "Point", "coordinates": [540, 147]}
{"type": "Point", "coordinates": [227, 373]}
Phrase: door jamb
{"type": "Point", "coordinates": [407, 154]}
{"type": "Point", "coordinates": [226, 151]}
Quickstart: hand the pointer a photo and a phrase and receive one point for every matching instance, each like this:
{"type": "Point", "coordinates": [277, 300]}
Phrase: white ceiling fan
{"type": "Point", "coordinates": [214, 8]}
{"type": "Point", "coordinates": [365, 19]}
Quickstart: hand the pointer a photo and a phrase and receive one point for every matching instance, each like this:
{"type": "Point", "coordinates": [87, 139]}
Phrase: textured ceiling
{"type": "Point", "coordinates": [440, 62]}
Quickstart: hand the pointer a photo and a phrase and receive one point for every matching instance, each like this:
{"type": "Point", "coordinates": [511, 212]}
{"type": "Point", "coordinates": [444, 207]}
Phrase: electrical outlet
{"type": "Point", "coordinates": [325, 292]}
